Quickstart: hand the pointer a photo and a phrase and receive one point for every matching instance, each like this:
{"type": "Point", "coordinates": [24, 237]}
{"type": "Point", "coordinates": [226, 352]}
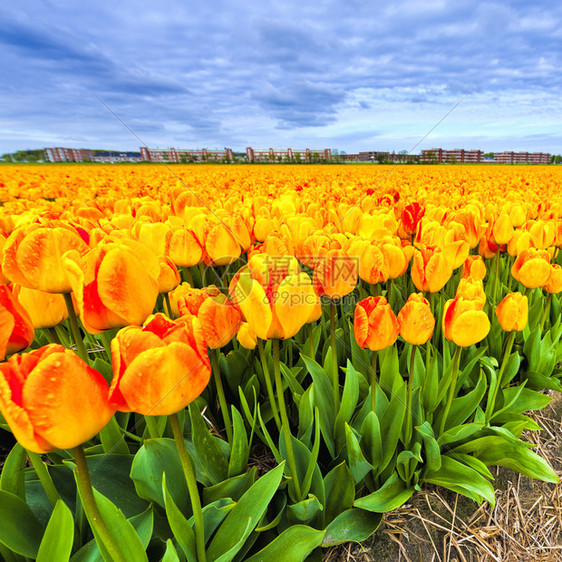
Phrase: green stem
{"type": "Point", "coordinates": [52, 336]}
{"type": "Point", "coordinates": [188, 275]}
{"type": "Point", "coordinates": [428, 344]}
{"type": "Point", "coordinates": [80, 349]}
{"type": "Point", "coordinates": [191, 486]}
{"type": "Point", "coordinates": [507, 353]}
{"type": "Point", "coordinates": [495, 293]}
{"type": "Point", "coordinates": [213, 354]}
{"type": "Point", "coordinates": [311, 340]}
{"type": "Point", "coordinates": [152, 426]}
{"type": "Point", "coordinates": [373, 380]}
{"type": "Point", "coordinates": [91, 508]}
{"type": "Point", "coordinates": [285, 420]}
{"type": "Point", "coordinates": [131, 436]}
{"type": "Point", "coordinates": [546, 310]}
{"type": "Point", "coordinates": [410, 392]}
{"type": "Point", "coordinates": [44, 477]}
{"type": "Point", "coordinates": [202, 274]}
{"type": "Point", "coordinates": [335, 371]}
{"type": "Point", "coordinates": [106, 342]}
{"type": "Point", "coordinates": [452, 388]}
{"type": "Point", "coordinates": [269, 385]}
{"type": "Point", "coordinates": [168, 306]}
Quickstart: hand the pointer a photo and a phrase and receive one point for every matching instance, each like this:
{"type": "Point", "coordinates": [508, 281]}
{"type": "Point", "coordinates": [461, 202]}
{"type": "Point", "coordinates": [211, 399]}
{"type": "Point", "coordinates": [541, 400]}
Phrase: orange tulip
{"type": "Point", "coordinates": [502, 230]}
{"type": "Point", "coordinates": [464, 321]}
{"type": "Point", "coordinates": [554, 283]}
{"type": "Point", "coordinates": [430, 269]}
{"type": "Point", "coordinates": [513, 312]}
{"type": "Point", "coordinates": [474, 267]}
{"type": "Point", "coordinates": [411, 216]}
{"type": "Point", "coordinates": [191, 299]}
{"type": "Point", "coordinates": [375, 326]}
{"type": "Point", "coordinates": [220, 320]}
{"type": "Point", "coordinates": [373, 262]}
{"type": "Point", "coordinates": [487, 248]}
{"type": "Point", "coordinates": [246, 337]}
{"type": "Point", "coordinates": [16, 327]}
{"type": "Point", "coordinates": [160, 368]}
{"type": "Point", "coordinates": [169, 277]}
{"type": "Point", "coordinates": [397, 256]}
{"type": "Point", "coordinates": [274, 297]}
{"type": "Point", "coordinates": [52, 399]}
{"type": "Point", "coordinates": [46, 310]}
{"type": "Point", "coordinates": [112, 287]}
{"type": "Point", "coordinates": [335, 274]}
{"type": "Point", "coordinates": [184, 249]}
{"type": "Point", "coordinates": [416, 320]}
{"type": "Point", "coordinates": [472, 289]}
{"type": "Point", "coordinates": [532, 268]}
{"type": "Point", "coordinates": [33, 257]}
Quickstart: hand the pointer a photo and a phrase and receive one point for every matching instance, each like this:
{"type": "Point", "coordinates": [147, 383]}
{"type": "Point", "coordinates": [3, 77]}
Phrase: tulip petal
{"type": "Point", "coordinates": [295, 303]}
{"type": "Point", "coordinates": [470, 327]}
{"type": "Point", "coordinates": [66, 400]}
{"type": "Point", "coordinates": [254, 304]}
{"type": "Point", "coordinates": [162, 381]}
{"type": "Point", "coordinates": [125, 287]}
{"type": "Point", "coordinates": [18, 420]}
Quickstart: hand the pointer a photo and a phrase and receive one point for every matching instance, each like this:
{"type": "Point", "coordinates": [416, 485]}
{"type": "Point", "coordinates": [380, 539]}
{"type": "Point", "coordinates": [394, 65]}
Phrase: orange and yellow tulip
{"type": "Point", "coordinates": [416, 320]}
{"type": "Point", "coordinates": [275, 298]}
{"type": "Point", "coordinates": [532, 268]}
{"type": "Point", "coordinates": [464, 321]}
{"type": "Point", "coordinates": [375, 325]}
{"type": "Point", "coordinates": [335, 274]}
{"type": "Point", "coordinates": [16, 326]}
{"type": "Point", "coordinates": [160, 368]}
{"type": "Point", "coordinates": [430, 269]}
{"type": "Point", "coordinates": [33, 257]}
{"type": "Point", "coordinates": [513, 312]}
{"type": "Point", "coordinates": [474, 267]}
{"type": "Point", "coordinates": [51, 399]}
{"type": "Point", "coordinates": [46, 310]}
{"type": "Point", "coordinates": [112, 287]}
{"type": "Point", "coordinates": [554, 282]}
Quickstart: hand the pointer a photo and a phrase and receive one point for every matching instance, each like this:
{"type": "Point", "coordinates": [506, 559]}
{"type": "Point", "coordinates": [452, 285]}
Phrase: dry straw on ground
{"type": "Point", "coordinates": [439, 526]}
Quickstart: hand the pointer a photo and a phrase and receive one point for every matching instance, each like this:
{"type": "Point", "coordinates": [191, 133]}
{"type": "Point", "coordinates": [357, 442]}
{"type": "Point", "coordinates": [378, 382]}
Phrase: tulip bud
{"type": "Point", "coordinates": [335, 274]}
{"type": "Point", "coordinates": [464, 322]}
{"type": "Point", "coordinates": [430, 269]}
{"type": "Point", "coordinates": [52, 399]}
{"type": "Point", "coordinates": [474, 267]}
{"type": "Point", "coordinates": [532, 268]}
{"type": "Point", "coordinates": [160, 368]}
{"type": "Point", "coordinates": [375, 326]}
{"type": "Point", "coordinates": [33, 257]}
{"type": "Point", "coordinates": [416, 320]}
{"type": "Point", "coordinates": [246, 337]}
{"type": "Point", "coordinates": [472, 289]}
{"type": "Point", "coordinates": [16, 327]}
{"type": "Point", "coordinates": [554, 282]}
{"type": "Point", "coordinates": [513, 312]}
{"type": "Point", "coordinates": [46, 310]}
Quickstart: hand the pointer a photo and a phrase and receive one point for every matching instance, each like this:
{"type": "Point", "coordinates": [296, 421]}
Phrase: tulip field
{"type": "Point", "coordinates": [257, 362]}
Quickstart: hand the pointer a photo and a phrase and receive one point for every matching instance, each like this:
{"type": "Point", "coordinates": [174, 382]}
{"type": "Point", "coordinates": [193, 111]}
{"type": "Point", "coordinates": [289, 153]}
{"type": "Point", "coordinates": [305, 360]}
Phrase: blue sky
{"type": "Point", "coordinates": [348, 75]}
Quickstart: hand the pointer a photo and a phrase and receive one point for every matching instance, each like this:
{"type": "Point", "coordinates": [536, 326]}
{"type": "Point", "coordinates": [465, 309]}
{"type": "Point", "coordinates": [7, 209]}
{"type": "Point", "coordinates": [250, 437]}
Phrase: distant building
{"type": "Point", "coordinates": [523, 157]}
{"type": "Point", "coordinates": [111, 156]}
{"type": "Point", "coordinates": [60, 154]}
{"type": "Point", "coordinates": [349, 157]}
{"type": "Point", "coordinates": [385, 156]}
{"type": "Point", "coordinates": [289, 155]}
{"type": "Point", "coordinates": [457, 155]}
{"type": "Point", "coordinates": [185, 155]}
